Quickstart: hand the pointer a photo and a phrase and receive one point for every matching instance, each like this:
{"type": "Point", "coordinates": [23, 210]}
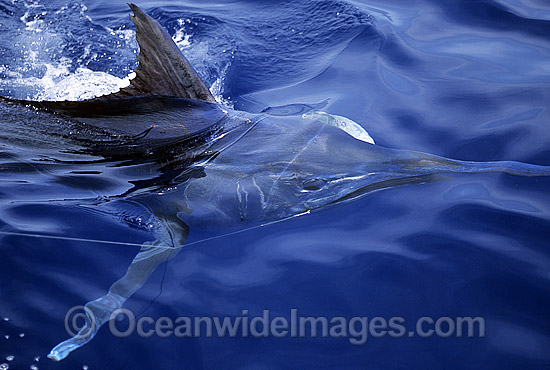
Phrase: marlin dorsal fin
{"type": "Point", "coordinates": [162, 69]}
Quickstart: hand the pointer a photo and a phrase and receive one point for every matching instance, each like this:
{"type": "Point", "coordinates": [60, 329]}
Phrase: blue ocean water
{"type": "Point", "coordinates": [461, 79]}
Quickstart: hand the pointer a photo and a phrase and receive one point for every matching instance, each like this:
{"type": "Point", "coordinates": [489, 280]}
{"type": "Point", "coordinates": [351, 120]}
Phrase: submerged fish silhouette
{"type": "Point", "coordinates": [222, 167]}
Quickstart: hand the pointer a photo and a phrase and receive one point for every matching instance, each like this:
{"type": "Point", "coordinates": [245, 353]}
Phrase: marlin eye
{"type": "Point", "coordinates": [313, 184]}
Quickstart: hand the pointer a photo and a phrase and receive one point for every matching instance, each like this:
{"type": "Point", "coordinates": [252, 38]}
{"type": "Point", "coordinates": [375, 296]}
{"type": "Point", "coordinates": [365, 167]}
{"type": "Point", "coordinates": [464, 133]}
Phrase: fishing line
{"type": "Point", "coordinates": [248, 228]}
{"type": "Point", "coordinates": [99, 241]}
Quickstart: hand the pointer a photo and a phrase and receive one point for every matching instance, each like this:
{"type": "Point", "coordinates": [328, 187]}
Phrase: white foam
{"type": "Point", "coordinates": [181, 38]}
{"type": "Point", "coordinates": [217, 89]}
{"type": "Point", "coordinates": [80, 85]}
{"type": "Point", "coordinates": [58, 83]}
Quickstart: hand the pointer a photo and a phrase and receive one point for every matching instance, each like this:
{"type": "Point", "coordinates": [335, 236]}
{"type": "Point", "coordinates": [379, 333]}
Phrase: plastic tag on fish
{"type": "Point", "coordinates": [345, 124]}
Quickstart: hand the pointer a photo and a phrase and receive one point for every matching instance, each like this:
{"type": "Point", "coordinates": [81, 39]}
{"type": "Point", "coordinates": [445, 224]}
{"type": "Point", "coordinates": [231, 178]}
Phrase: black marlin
{"type": "Point", "coordinates": [223, 167]}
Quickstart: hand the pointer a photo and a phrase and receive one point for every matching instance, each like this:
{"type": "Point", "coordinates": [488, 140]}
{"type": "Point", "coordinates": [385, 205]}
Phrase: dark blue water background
{"type": "Point", "coordinates": [461, 79]}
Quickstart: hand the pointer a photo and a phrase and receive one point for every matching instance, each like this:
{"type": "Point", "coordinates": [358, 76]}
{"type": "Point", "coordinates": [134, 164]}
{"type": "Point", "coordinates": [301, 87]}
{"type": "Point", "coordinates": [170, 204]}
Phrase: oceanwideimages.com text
{"type": "Point", "coordinates": [124, 323]}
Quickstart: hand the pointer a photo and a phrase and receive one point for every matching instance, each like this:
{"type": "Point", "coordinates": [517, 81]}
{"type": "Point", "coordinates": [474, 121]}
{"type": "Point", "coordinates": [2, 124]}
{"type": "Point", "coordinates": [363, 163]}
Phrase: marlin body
{"type": "Point", "coordinates": [219, 167]}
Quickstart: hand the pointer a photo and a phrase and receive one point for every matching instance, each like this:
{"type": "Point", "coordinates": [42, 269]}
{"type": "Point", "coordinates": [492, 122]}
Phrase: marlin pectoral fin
{"type": "Point", "coordinates": [170, 238]}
